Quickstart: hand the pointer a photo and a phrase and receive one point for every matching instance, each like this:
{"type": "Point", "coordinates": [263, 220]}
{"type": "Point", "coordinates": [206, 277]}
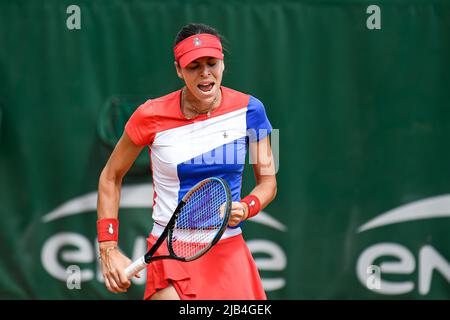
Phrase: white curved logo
{"type": "Point", "coordinates": [426, 259]}
{"type": "Point", "coordinates": [434, 207]}
{"type": "Point", "coordinates": [137, 196]}
{"type": "Point", "coordinates": [132, 196]}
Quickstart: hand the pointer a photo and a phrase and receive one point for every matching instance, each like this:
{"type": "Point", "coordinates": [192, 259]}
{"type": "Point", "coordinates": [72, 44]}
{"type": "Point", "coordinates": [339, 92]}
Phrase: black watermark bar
{"type": "Point", "coordinates": [234, 309]}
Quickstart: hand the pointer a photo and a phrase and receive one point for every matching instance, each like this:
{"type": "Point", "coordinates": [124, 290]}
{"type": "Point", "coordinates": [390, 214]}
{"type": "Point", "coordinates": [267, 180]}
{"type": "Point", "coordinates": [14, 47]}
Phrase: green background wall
{"type": "Point", "coordinates": [363, 118]}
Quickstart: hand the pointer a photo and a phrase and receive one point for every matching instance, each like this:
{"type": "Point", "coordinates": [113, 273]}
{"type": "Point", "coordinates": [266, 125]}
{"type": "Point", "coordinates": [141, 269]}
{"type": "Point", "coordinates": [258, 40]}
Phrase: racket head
{"type": "Point", "coordinates": [201, 221]}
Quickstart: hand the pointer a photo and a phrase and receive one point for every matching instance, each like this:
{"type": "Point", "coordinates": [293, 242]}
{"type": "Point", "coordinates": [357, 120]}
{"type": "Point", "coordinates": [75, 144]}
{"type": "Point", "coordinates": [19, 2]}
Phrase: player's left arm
{"type": "Point", "coordinates": [266, 183]}
{"type": "Point", "coordinates": [264, 169]}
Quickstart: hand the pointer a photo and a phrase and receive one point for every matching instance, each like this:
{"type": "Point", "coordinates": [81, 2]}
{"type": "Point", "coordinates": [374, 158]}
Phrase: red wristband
{"type": "Point", "coordinates": [107, 230]}
{"type": "Point", "coordinates": [253, 204]}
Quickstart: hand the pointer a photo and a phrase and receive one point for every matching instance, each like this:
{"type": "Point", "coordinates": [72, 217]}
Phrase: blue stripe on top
{"type": "Point", "coordinates": [258, 126]}
{"type": "Point", "coordinates": [226, 162]}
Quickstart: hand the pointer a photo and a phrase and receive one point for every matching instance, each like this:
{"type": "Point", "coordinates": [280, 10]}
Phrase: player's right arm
{"type": "Point", "coordinates": [112, 260]}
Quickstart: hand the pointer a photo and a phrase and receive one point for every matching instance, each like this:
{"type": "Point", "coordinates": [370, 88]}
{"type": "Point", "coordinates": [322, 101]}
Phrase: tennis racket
{"type": "Point", "coordinates": [196, 225]}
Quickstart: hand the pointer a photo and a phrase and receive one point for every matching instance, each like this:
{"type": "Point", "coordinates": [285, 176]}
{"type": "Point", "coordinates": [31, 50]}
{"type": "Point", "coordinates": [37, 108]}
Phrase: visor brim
{"type": "Point", "coordinates": [200, 53]}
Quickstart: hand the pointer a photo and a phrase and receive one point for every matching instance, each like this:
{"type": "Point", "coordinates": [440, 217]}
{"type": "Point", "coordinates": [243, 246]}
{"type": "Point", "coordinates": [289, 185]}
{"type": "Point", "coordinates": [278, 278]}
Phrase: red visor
{"type": "Point", "coordinates": [197, 46]}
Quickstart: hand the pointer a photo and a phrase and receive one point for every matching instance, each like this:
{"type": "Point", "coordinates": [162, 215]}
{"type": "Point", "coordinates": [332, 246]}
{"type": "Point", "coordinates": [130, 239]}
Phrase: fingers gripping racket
{"type": "Point", "coordinates": [196, 225]}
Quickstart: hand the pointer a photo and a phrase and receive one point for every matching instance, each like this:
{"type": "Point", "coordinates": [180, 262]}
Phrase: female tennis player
{"type": "Point", "coordinates": [202, 130]}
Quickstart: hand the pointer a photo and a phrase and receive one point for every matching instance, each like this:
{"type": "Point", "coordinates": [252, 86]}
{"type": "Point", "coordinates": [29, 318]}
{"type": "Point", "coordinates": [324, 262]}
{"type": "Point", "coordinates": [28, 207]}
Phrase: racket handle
{"type": "Point", "coordinates": [135, 267]}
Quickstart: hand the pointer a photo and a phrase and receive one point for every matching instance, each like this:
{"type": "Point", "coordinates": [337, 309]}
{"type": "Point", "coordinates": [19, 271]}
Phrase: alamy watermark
{"type": "Point", "coordinates": [263, 152]}
{"type": "Point", "coordinates": [73, 21]}
{"type": "Point", "coordinates": [373, 22]}
{"type": "Point", "coordinates": [373, 281]}
{"type": "Point", "coordinates": [73, 280]}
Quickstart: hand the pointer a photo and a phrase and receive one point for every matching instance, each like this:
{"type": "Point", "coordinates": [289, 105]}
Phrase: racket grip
{"type": "Point", "coordinates": [135, 267]}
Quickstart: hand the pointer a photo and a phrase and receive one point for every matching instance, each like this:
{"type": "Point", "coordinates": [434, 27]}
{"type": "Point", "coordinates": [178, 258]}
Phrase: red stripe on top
{"type": "Point", "coordinates": [160, 114]}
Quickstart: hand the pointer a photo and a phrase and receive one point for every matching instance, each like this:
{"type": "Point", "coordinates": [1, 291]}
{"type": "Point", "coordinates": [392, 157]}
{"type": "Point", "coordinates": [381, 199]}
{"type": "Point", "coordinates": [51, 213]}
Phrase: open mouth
{"type": "Point", "coordinates": [206, 87]}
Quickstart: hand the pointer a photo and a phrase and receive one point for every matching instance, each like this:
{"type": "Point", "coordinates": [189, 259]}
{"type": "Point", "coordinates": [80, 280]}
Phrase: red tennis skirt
{"type": "Point", "coordinates": [226, 272]}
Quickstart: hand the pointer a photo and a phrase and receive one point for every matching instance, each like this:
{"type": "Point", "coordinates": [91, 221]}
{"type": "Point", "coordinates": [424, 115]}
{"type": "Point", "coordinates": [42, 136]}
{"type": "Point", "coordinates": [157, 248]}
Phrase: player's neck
{"type": "Point", "coordinates": [192, 107]}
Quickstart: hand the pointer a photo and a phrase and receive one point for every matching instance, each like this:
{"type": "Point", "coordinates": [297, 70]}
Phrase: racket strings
{"type": "Point", "coordinates": [200, 220]}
